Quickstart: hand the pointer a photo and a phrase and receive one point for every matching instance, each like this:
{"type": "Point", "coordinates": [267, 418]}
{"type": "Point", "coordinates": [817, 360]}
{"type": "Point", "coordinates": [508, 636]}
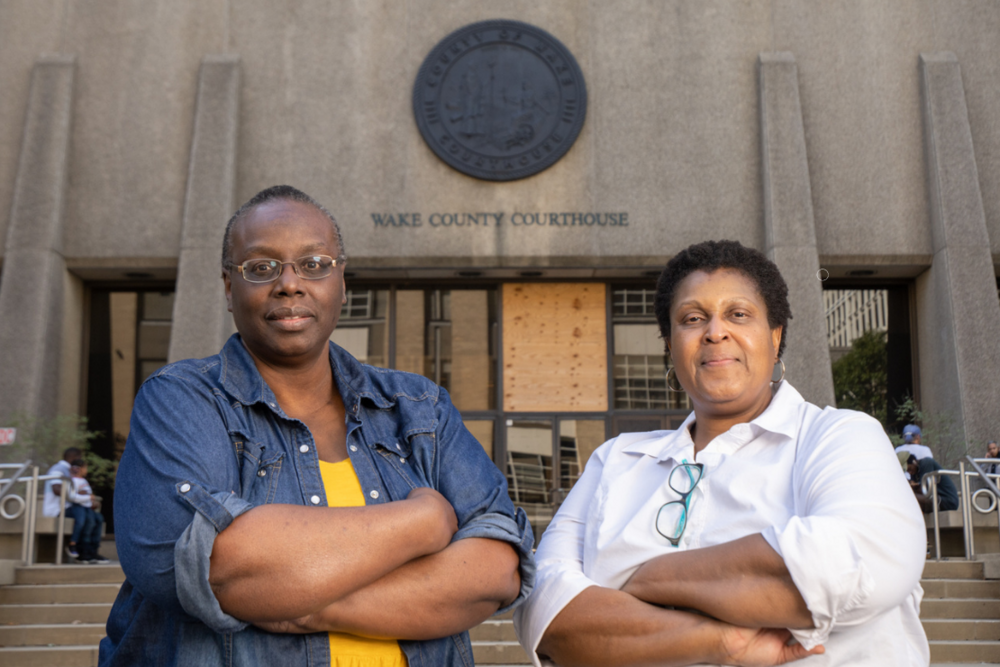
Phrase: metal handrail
{"type": "Point", "coordinates": [966, 502]}
{"type": "Point", "coordinates": [29, 508]}
{"type": "Point", "coordinates": [20, 471]}
{"type": "Point", "coordinates": [991, 488]}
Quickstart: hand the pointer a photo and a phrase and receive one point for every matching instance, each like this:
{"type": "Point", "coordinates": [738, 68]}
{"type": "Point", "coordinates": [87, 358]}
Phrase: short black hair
{"type": "Point", "coordinates": [72, 453]}
{"type": "Point", "coordinates": [710, 256]}
{"type": "Point", "coordinates": [273, 193]}
{"type": "Point", "coordinates": [78, 463]}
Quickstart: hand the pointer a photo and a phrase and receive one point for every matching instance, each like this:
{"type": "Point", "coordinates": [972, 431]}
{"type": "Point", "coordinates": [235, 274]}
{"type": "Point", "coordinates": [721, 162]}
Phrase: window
{"type": "Point", "coordinates": [639, 363]}
{"type": "Point", "coordinates": [363, 326]}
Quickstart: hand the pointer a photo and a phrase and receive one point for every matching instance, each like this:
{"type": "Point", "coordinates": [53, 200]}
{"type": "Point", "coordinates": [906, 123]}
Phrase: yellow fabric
{"type": "Point", "coordinates": [344, 490]}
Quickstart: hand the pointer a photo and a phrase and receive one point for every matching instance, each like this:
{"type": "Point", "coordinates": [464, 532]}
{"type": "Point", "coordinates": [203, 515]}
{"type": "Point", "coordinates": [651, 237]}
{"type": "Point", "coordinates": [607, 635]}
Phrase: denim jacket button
{"type": "Point", "coordinates": [261, 473]}
{"type": "Point", "coordinates": [402, 460]}
{"type": "Point", "coordinates": [373, 494]}
{"type": "Point", "coordinates": [185, 488]}
{"type": "Point", "coordinates": [398, 447]}
{"type": "Point", "coordinates": [314, 500]}
{"type": "Point", "coordinates": [304, 448]}
{"type": "Point", "coordinates": [354, 448]}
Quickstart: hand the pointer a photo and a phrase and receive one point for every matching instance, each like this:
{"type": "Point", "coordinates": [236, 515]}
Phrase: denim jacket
{"type": "Point", "coordinates": [208, 441]}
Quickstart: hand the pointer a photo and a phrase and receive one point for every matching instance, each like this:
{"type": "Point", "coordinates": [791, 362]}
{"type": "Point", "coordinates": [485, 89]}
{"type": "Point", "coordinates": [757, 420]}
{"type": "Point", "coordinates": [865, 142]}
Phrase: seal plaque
{"type": "Point", "coordinates": [500, 100]}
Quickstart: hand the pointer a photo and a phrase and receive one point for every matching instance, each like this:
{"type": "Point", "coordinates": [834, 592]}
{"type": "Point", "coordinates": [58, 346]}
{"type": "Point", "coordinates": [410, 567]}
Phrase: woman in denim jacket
{"type": "Point", "coordinates": [233, 549]}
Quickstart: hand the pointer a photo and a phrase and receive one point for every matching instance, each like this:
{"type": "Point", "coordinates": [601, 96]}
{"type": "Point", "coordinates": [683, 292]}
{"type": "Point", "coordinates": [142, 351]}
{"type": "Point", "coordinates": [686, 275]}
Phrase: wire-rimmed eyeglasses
{"type": "Point", "coordinates": [672, 518]}
{"type": "Point", "coordinates": [264, 270]}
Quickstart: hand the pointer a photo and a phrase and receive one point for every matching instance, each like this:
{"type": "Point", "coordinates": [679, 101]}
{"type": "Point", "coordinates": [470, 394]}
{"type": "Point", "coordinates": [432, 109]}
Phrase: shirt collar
{"type": "Point", "coordinates": [243, 381]}
{"type": "Point", "coordinates": [781, 417]}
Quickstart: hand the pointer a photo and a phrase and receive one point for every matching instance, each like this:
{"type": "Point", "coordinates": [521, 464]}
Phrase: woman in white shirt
{"type": "Point", "coordinates": [771, 517]}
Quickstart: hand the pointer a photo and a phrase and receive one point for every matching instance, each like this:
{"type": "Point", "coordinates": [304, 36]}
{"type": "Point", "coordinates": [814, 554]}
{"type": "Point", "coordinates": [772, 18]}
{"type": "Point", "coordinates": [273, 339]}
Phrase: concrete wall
{"type": "Point", "coordinates": [672, 135]}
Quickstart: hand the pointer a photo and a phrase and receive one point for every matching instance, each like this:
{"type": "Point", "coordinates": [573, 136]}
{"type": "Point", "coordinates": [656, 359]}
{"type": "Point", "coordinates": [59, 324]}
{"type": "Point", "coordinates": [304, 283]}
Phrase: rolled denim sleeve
{"type": "Point", "coordinates": [213, 514]}
{"type": "Point", "coordinates": [478, 491]}
{"type": "Point", "coordinates": [176, 489]}
{"type": "Point", "coordinates": [855, 547]}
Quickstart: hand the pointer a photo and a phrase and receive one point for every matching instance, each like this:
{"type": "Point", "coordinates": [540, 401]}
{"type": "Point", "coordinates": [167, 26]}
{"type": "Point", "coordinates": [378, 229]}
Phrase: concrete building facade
{"type": "Point", "coordinates": [852, 141]}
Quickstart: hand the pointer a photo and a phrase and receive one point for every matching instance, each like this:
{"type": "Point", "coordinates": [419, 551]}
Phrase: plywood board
{"type": "Point", "coordinates": [555, 347]}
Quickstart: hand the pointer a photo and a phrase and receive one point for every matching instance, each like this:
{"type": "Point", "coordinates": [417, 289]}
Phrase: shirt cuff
{"type": "Point", "coordinates": [192, 551]}
{"type": "Point", "coordinates": [826, 568]}
{"type": "Point", "coordinates": [555, 588]}
{"type": "Point", "coordinates": [517, 532]}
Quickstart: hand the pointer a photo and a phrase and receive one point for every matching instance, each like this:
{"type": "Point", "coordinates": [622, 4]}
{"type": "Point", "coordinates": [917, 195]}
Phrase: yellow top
{"type": "Point", "coordinates": [344, 490]}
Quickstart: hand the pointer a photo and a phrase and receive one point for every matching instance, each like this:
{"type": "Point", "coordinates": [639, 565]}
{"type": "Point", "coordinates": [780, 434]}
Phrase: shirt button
{"type": "Point", "coordinates": [272, 405]}
{"type": "Point", "coordinates": [373, 494]}
{"type": "Point", "coordinates": [185, 488]}
{"type": "Point", "coordinates": [398, 447]}
{"type": "Point", "coordinates": [314, 500]}
{"type": "Point", "coordinates": [353, 448]}
{"type": "Point", "coordinates": [402, 460]}
{"type": "Point", "coordinates": [304, 448]}
{"type": "Point", "coordinates": [261, 473]}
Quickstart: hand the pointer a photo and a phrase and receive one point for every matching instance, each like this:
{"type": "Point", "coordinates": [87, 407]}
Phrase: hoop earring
{"type": "Point", "coordinates": [778, 381]}
{"type": "Point", "coordinates": [680, 389]}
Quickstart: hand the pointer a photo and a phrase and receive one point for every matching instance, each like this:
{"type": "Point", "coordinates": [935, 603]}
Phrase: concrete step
{"type": "Point", "coordinates": [58, 593]}
{"type": "Point", "coordinates": [46, 656]}
{"type": "Point", "coordinates": [44, 614]}
{"type": "Point", "coordinates": [499, 653]}
{"type": "Point", "coordinates": [960, 588]}
{"type": "Point", "coordinates": [493, 631]}
{"type": "Point", "coordinates": [52, 635]}
{"type": "Point", "coordinates": [962, 630]}
{"type": "Point", "coordinates": [967, 651]}
{"type": "Point", "coordinates": [70, 574]}
{"type": "Point", "coordinates": [953, 569]}
{"type": "Point", "coordinates": [951, 608]}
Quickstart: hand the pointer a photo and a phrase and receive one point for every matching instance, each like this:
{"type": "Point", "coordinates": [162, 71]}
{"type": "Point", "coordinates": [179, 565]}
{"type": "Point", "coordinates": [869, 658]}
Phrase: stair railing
{"type": "Point", "coordinates": [969, 500]}
{"type": "Point", "coordinates": [29, 506]}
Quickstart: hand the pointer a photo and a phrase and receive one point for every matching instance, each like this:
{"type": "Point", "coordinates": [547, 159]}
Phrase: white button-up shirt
{"type": "Point", "coordinates": [823, 487]}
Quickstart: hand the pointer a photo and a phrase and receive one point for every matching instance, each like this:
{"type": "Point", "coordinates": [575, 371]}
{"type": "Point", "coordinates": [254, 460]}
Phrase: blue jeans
{"type": "Point", "coordinates": [87, 528]}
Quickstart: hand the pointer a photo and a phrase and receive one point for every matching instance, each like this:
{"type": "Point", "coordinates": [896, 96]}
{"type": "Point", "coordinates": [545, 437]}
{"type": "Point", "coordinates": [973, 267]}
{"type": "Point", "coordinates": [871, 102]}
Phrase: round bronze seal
{"type": "Point", "coordinates": [500, 100]}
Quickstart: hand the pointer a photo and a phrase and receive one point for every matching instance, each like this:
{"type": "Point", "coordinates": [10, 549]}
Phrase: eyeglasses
{"type": "Point", "coordinates": [672, 518]}
{"type": "Point", "coordinates": [263, 270]}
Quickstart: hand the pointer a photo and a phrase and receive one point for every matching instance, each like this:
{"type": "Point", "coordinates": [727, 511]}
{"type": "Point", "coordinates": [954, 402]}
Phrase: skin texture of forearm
{"type": "Point", "coordinates": [602, 627]}
{"type": "Point", "coordinates": [277, 562]}
{"type": "Point", "coordinates": [430, 597]}
{"type": "Point", "coordinates": [744, 582]}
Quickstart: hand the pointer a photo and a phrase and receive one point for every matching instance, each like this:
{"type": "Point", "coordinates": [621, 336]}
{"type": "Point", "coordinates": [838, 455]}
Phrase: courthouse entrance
{"type": "Point", "coordinates": [542, 372]}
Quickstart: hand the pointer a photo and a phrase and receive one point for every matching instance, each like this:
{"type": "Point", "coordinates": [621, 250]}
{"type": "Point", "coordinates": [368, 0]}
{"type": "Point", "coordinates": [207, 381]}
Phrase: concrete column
{"type": "Point", "coordinates": [789, 227]}
{"type": "Point", "coordinates": [201, 323]}
{"type": "Point", "coordinates": [958, 315]}
{"type": "Point", "coordinates": [32, 284]}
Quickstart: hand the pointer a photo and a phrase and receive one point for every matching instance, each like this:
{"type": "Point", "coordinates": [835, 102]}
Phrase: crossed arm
{"type": "Point", "coordinates": [743, 583]}
{"type": "Point", "coordinates": [386, 570]}
{"type": "Point", "coordinates": [334, 568]}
